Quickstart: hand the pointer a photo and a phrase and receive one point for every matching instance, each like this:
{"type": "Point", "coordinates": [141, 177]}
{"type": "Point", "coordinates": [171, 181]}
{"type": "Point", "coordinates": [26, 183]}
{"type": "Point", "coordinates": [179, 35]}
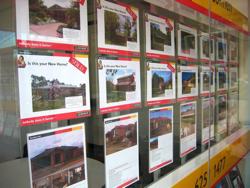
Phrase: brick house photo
{"type": "Point", "coordinates": [121, 137]}
{"type": "Point", "coordinates": [118, 83]}
{"type": "Point", "coordinates": [51, 94]}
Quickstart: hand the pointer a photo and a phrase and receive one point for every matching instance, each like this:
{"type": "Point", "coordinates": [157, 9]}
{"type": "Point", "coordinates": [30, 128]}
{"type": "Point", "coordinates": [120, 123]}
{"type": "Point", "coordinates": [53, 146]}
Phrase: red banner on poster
{"type": "Point", "coordinates": [78, 64]}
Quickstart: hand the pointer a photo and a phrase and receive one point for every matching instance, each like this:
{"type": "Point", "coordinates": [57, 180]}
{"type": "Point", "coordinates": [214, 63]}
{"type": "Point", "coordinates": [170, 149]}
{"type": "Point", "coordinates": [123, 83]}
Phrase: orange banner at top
{"type": "Point", "coordinates": [221, 10]}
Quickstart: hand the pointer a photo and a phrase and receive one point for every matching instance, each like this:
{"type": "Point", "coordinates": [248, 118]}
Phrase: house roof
{"type": "Point", "coordinates": [49, 151]}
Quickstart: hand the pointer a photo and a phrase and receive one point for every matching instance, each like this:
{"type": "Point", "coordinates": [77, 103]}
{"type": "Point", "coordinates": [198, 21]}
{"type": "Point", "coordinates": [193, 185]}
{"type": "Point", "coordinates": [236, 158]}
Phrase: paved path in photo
{"type": "Point", "coordinates": [46, 29]}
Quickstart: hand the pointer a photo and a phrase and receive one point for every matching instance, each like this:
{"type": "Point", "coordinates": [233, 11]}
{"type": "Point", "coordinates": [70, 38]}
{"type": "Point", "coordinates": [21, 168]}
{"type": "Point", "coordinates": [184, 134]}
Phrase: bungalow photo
{"type": "Point", "coordinates": [120, 84]}
{"type": "Point", "coordinates": [205, 47]}
{"type": "Point", "coordinates": [222, 108]}
{"type": "Point", "coordinates": [233, 51]}
{"type": "Point", "coordinates": [119, 29]}
{"type": "Point", "coordinates": [233, 110]}
{"type": "Point", "coordinates": [57, 160]}
{"type": "Point", "coordinates": [154, 143]}
{"type": "Point", "coordinates": [222, 79]}
{"type": "Point", "coordinates": [160, 37]}
{"type": "Point", "coordinates": [233, 79]}
{"type": "Point", "coordinates": [188, 82]}
{"type": "Point", "coordinates": [51, 94]}
{"type": "Point", "coordinates": [206, 119]}
{"type": "Point", "coordinates": [222, 47]}
{"type": "Point", "coordinates": [120, 137]}
{"type": "Point", "coordinates": [187, 42]}
{"type": "Point", "coordinates": [188, 120]}
{"type": "Point", "coordinates": [161, 82]}
{"type": "Point", "coordinates": [207, 79]}
{"type": "Point", "coordinates": [54, 17]}
{"type": "Point", "coordinates": [160, 122]}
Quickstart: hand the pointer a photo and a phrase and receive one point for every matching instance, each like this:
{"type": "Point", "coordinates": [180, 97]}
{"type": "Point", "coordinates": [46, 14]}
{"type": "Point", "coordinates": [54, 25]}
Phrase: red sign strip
{"type": "Point", "coordinates": [169, 24]}
{"type": "Point", "coordinates": [128, 9]}
{"type": "Point", "coordinates": [81, 2]}
{"type": "Point", "coordinates": [53, 118]}
{"type": "Point", "coordinates": [50, 45]}
{"type": "Point", "coordinates": [126, 184]}
{"type": "Point", "coordinates": [160, 102]}
{"type": "Point", "coordinates": [187, 152]}
{"type": "Point", "coordinates": [78, 65]}
{"type": "Point", "coordinates": [160, 166]}
{"type": "Point", "coordinates": [158, 56]}
{"type": "Point", "coordinates": [63, 131]}
{"type": "Point", "coordinates": [187, 59]}
{"type": "Point", "coordinates": [118, 52]}
{"type": "Point", "coordinates": [118, 108]}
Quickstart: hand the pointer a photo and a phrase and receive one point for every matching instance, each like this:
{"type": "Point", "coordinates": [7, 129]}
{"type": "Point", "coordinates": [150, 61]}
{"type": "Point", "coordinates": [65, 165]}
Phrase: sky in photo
{"type": "Point", "coordinates": [162, 113]}
{"type": "Point", "coordinates": [166, 75]}
{"type": "Point", "coordinates": [110, 126]}
{"type": "Point", "coordinates": [37, 146]}
{"type": "Point", "coordinates": [187, 107]}
{"type": "Point", "coordinates": [62, 3]}
{"type": "Point", "coordinates": [120, 73]}
{"type": "Point", "coordinates": [187, 75]}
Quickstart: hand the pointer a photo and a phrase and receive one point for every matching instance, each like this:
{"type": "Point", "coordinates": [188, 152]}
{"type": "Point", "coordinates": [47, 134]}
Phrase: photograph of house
{"type": "Point", "coordinates": [160, 122]}
{"type": "Point", "coordinates": [187, 42]}
{"type": "Point", "coordinates": [207, 80]}
{"type": "Point", "coordinates": [51, 17]}
{"type": "Point", "coordinates": [234, 79]}
{"type": "Point", "coordinates": [51, 94]}
{"type": "Point", "coordinates": [207, 120]}
{"type": "Point", "coordinates": [188, 120]}
{"type": "Point", "coordinates": [118, 83]}
{"type": "Point", "coordinates": [233, 50]}
{"type": "Point", "coordinates": [233, 116]}
{"type": "Point", "coordinates": [159, 37]}
{"type": "Point", "coordinates": [222, 79]}
{"type": "Point", "coordinates": [221, 50]}
{"type": "Point", "coordinates": [161, 81]}
{"type": "Point", "coordinates": [205, 47]}
{"type": "Point", "coordinates": [119, 29]}
{"type": "Point", "coordinates": [120, 137]}
{"type": "Point", "coordinates": [222, 108]}
{"type": "Point", "coordinates": [57, 160]}
{"type": "Point", "coordinates": [153, 143]}
{"type": "Point", "coordinates": [188, 82]}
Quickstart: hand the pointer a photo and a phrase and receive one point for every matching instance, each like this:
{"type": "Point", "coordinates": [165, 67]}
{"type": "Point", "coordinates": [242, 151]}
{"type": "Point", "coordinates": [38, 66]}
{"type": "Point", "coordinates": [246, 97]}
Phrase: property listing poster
{"type": "Point", "coordinates": [187, 82]}
{"type": "Point", "coordinates": [208, 107]}
{"type": "Point", "coordinates": [160, 137]}
{"type": "Point", "coordinates": [52, 24]}
{"type": "Point", "coordinates": [188, 124]}
{"type": "Point", "coordinates": [222, 79]}
{"type": "Point", "coordinates": [119, 85]}
{"type": "Point", "coordinates": [160, 83]}
{"type": "Point", "coordinates": [233, 112]}
{"type": "Point", "coordinates": [52, 88]}
{"type": "Point", "coordinates": [159, 37]}
{"type": "Point", "coordinates": [233, 52]}
{"type": "Point", "coordinates": [221, 50]}
{"type": "Point", "coordinates": [205, 44]}
{"type": "Point", "coordinates": [222, 114]}
{"type": "Point", "coordinates": [57, 158]}
{"type": "Point", "coordinates": [207, 80]}
{"type": "Point", "coordinates": [187, 43]}
{"type": "Point", "coordinates": [233, 77]}
{"type": "Point", "coordinates": [121, 150]}
{"type": "Point", "coordinates": [118, 28]}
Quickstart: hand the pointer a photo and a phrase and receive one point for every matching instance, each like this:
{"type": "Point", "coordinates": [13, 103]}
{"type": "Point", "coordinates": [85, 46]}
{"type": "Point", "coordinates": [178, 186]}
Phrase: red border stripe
{"type": "Point", "coordinates": [50, 45]}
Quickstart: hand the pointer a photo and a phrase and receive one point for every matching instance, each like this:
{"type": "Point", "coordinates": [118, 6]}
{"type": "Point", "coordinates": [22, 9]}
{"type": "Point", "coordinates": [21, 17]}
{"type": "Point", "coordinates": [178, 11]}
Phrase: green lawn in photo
{"type": "Point", "coordinates": [42, 105]}
{"type": "Point", "coordinates": [116, 96]}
